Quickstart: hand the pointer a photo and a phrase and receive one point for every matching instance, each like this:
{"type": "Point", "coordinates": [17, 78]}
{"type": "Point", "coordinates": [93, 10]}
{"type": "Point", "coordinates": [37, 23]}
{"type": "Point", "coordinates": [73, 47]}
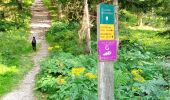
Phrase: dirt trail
{"type": "Point", "coordinates": [40, 23]}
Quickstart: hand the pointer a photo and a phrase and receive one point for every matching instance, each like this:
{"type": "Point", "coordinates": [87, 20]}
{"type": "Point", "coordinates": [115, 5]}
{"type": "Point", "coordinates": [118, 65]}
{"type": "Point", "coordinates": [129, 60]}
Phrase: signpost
{"type": "Point", "coordinates": [107, 50]}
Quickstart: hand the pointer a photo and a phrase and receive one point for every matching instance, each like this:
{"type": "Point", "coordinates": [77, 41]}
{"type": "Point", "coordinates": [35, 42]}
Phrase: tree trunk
{"type": "Point", "coordinates": [19, 3]}
{"type": "Point", "coordinates": [59, 11]}
{"type": "Point", "coordinates": [53, 2]}
{"type": "Point", "coordinates": [84, 32]}
{"type": "Point", "coordinates": [139, 19]}
{"type": "Point", "coordinates": [2, 13]}
{"type": "Point", "coordinates": [88, 38]}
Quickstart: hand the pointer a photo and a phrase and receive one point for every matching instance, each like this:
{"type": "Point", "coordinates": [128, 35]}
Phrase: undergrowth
{"type": "Point", "coordinates": [15, 49]}
{"type": "Point", "coordinates": [139, 72]}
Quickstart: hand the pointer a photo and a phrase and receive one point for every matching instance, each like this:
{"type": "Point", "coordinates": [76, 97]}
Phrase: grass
{"type": "Point", "coordinates": [18, 54]}
{"type": "Point", "coordinates": [15, 49]}
{"type": "Point", "coordinates": [147, 36]}
{"type": "Point", "coordinates": [10, 81]}
{"type": "Point", "coordinates": [151, 41]}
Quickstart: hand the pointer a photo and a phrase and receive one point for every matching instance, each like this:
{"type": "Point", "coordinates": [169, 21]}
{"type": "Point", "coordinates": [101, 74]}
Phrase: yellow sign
{"type": "Point", "coordinates": [106, 31]}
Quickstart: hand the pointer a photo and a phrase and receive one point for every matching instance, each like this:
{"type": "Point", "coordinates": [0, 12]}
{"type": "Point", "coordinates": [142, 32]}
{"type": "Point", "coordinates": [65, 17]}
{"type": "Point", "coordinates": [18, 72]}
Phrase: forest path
{"type": "Point", "coordinates": [40, 23]}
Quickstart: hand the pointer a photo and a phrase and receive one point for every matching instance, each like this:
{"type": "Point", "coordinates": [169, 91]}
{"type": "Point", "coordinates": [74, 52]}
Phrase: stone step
{"type": "Point", "coordinates": [39, 25]}
{"type": "Point", "coordinates": [38, 4]}
{"type": "Point", "coordinates": [38, 10]}
{"type": "Point", "coordinates": [40, 17]}
{"type": "Point", "coordinates": [41, 7]}
{"type": "Point", "coordinates": [39, 28]}
{"type": "Point", "coordinates": [34, 31]}
{"type": "Point", "coordinates": [40, 13]}
{"type": "Point", "coordinates": [41, 21]}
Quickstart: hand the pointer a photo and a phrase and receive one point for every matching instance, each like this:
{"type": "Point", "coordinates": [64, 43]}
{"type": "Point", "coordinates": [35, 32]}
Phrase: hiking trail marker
{"type": "Point", "coordinates": [106, 43]}
{"type": "Point", "coordinates": [107, 49]}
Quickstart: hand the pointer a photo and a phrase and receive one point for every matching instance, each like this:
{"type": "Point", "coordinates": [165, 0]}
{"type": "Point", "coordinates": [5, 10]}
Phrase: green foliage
{"type": "Point", "coordinates": [120, 81]}
{"type": "Point", "coordinates": [154, 84]}
{"type": "Point", "coordinates": [13, 74]}
{"type": "Point", "coordinates": [158, 45]}
{"type": "Point", "coordinates": [74, 87]}
{"type": "Point", "coordinates": [4, 70]}
{"type": "Point", "coordinates": [47, 84]}
{"type": "Point", "coordinates": [135, 53]}
{"type": "Point", "coordinates": [165, 34]}
{"type": "Point", "coordinates": [126, 16]}
{"type": "Point", "coordinates": [152, 89]}
{"type": "Point", "coordinates": [64, 35]}
{"type": "Point", "coordinates": [14, 12]}
{"type": "Point", "coordinates": [16, 40]}
{"type": "Point", "coordinates": [139, 6]}
{"type": "Point", "coordinates": [140, 49]}
{"type": "Point", "coordinates": [60, 64]}
{"type": "Point", "coordinates": [72, 10]}
{"type": "Point", "coordinates": [164, 11]}
{"type": "Point", "coordinates": [145, 38]}
{"type": "Point", "coordinates": [15, 48]}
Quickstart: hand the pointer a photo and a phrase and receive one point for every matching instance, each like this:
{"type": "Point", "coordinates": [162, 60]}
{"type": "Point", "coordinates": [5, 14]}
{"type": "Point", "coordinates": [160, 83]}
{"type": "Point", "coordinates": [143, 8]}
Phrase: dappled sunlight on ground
{"type": "Point", "coordinates": [144, 28]}
{"type": "Point", "coordinates": [40, 25]}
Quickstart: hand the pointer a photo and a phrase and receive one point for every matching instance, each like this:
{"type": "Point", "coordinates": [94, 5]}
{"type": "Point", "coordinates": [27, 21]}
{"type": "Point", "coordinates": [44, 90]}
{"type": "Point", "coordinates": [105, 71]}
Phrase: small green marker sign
{"type": "Point", "coordinates": [106, 13]}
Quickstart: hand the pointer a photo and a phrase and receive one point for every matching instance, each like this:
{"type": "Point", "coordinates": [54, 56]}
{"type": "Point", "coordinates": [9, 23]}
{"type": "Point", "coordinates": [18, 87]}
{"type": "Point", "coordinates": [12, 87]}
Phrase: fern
{"type": "Point", "coordinates": [120, 78]}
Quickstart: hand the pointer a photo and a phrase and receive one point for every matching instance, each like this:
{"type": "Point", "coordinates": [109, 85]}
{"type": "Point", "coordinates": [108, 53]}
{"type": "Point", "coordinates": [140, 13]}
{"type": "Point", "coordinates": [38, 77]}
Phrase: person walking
{"type": "Point", "coordinates": [34, 44]}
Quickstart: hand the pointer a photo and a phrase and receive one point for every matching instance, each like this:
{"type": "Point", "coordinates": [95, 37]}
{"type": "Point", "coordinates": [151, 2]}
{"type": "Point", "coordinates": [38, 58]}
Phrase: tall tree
{"type": "Point", "coordinates": [19, 4]}
{"type": "Point", "coordinates": [59, 7]}
{"type": "Point", "coordinates": [85, 28]}
{"type": "Point", "coordinates": [140, 7]}
{"type": "Point", "coordinates": [53, 2]}
{"type": "Point", "coordinates": [2, 13]}
{"type": "Point", "coordinates": [164, 11]}
{"type": "Point", "coordinates": [59, 11]}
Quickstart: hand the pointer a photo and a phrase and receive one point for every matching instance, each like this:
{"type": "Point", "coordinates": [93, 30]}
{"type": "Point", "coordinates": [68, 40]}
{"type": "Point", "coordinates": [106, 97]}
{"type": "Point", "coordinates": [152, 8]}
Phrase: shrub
{"type": "Point", "coordinates": [69, 76]}
{"type": "Point", "coordinates": [75, 73]}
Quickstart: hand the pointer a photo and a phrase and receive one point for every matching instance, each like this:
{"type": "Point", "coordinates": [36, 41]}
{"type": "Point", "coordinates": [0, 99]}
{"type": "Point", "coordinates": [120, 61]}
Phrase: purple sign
{"type": "Point", "coordinates": [107, 50]}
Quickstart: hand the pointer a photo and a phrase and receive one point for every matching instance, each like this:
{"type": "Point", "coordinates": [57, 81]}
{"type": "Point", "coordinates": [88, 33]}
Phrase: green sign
{"type": "Point", "coordinates": [105, 21]}
{"type": "Point", "coordinates": [106, 13]}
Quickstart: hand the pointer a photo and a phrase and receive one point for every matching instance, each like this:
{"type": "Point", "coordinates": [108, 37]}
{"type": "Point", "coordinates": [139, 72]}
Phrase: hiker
{"type": "Point", "coordinates": [34, 44]}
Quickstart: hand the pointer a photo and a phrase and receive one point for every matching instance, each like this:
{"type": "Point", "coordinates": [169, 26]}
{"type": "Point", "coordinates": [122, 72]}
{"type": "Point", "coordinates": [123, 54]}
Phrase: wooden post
{"type": "Point", "coordinates": [106, 68]}
{"type": "Point", "coordinates": [105, 80]}
{"type": "Point", "coordinates": [116, 20]}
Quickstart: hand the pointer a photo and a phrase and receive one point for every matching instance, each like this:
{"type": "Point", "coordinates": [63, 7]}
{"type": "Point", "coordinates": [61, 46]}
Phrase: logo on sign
{"type": "Point", "coordinates": [107, 53]}
{"type": "Point", "coordinates": [107, 50]}
{"type": "Point", "coordinates": [107, 18]}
